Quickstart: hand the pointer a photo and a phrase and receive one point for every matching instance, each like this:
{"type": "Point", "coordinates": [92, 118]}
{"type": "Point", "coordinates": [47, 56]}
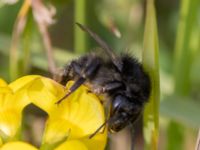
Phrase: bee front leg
{"type": "Point", "coordinates": [90, 68]}
{"type": "Point", "coordinates": [82, 75]}
{"type": "Point", "coordinates": [70, 72]}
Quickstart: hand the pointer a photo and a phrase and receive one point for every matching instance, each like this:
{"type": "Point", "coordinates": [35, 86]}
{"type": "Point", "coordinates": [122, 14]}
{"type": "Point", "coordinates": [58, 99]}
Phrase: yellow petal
{"type": "Point", "coordinates": [98, 142]}
{"type": "Point", "coordinates": [17, 146]}
{"type": "Point", "coordinates": [1, 142]}
{"type": "Point", "coordinates": [72, 145]}
{"type": "Point", "coordinates": [44, 92]}
{"type": "Point", "coordinates": [15, 94]}
{"type": "Point", "coordinates": [17, 100]}
{"type": "Point", "coordinates": [76, 117]}
{"type": "Point", "coordinates": [82, 109]}
{"type": "Point", "coordinates": [10, 122]}
{"type": "Point", "coordinates": [58, 129]}
{"type": "Point", "coordinates": [2, 83]}
{"type": "Point", "coordinates": [13, 98]}
{"type": "Point", "coordinates": [23, 82]}
{"type": "Point", "coordinates": [4, 90]}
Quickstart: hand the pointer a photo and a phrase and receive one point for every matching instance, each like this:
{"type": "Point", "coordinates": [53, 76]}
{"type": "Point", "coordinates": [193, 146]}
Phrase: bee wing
{"type": "Point", "coordinates": [100, 52]}
{"type": "Point", "coordinates": [116, 61]}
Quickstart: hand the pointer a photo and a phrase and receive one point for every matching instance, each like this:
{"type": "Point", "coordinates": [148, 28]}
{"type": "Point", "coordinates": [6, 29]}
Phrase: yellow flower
{"type": "Point", "coordinates": [13, 99]}
{"type": "Point", "coordinates": [17, 146]}
{"type": "Point", "coordinates": [69, 124]}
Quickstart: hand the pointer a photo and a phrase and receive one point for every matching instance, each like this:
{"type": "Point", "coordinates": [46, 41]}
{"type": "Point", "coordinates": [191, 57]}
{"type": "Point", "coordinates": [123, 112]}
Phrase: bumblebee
{"type": "Point", "coordinates": [121, 80]}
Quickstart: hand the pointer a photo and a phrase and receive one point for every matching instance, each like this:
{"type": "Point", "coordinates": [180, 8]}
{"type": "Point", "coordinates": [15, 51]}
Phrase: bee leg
{"type": "Point", "coordinates": [103, 126]}
{"type": "Point", "coordinates": [108, 87]}
{"type": "Point", "coordinates": [69, 72]}
{"type": "Point", "coordinates": [86, 73]}
{"type": "Point", "coordinates": [75, 86]}
{"type": "Point", "coordinates": [98, 129]}
{"type": "Point", "coordinates": [78, 69]}
{"type": "Point", "coordinates": [91, 67]}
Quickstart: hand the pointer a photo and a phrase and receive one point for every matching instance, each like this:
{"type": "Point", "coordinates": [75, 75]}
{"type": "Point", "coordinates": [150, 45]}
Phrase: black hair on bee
{"type": "Point", "coordinates": [121, 79]}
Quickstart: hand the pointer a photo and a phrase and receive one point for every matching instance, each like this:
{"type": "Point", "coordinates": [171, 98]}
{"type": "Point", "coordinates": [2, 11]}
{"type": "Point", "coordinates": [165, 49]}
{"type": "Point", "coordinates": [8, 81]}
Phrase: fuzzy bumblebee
{"type": "Point", "coordinates": [120, 79]}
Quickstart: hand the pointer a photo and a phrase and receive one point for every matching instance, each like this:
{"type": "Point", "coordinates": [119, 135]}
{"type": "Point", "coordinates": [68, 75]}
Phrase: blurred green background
{"type": "Point", "coordinates": [121, 24]}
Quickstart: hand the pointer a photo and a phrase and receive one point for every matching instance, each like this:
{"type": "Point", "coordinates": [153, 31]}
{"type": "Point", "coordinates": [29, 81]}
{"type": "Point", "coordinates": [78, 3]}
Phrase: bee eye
{"type": "Point", "coordinates": [116, 103]}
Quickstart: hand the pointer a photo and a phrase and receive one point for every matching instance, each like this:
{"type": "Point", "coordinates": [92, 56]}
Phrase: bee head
{"type": "Point", "coordinates": [123, 112]}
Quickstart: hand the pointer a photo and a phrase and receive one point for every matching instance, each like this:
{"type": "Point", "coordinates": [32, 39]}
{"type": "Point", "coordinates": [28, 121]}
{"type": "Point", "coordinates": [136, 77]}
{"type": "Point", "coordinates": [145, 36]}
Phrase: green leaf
{"type": "Point", "coordinates": [151, 65]}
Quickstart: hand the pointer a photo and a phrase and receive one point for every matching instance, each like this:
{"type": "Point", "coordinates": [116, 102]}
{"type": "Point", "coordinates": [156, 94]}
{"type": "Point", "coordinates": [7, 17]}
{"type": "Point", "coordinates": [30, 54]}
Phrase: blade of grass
{"type": "Point", "coordinates": [80, 44]}
{"type": "Point", "coordinates": [188, 17]}
{"type": "Point", "coordinates": [150, 57]}
{"type": "Point", "coordinates": [182, 61]}
{"type": "Point", "coordinates": [17, 31]}
{"type": "Point", "coordinates": [24, 60]}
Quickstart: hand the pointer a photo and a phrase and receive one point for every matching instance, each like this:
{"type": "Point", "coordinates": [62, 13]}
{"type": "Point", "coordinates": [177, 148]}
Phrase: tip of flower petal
{"type": "Point", "coordinates": [3, 83]}
{"type": "Point", "coordinates": [18, 146]}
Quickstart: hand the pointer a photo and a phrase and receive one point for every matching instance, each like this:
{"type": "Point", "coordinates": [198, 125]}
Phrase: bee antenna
{"type": "Point", "coordinates": [116, 61]}
{"type": "Point", "coordinates": [98, 129]}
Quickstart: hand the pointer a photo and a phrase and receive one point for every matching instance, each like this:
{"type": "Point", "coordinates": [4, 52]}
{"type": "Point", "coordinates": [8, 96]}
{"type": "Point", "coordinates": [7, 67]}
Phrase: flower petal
{"type": "Point", "coordinates": [72, 145]}
{"type": "Point", "coordinates": [16, 93]}
{"type": "Point", "coordinates": [1, 142]}
{"type": "Point", "coordinates": [22, 82]}
{"type": "Point", "coordinates": [4, 88]}
{"type": "Point", "coordinates": [17, 146]}
{"type": "Point", "coordinates": [16, 100]}
{"type": "Point", "coordinates": [3, 83]}
{"type": "Point", "coordinates": [13, 98]}
{"type": "Point", "coordinates": [77, 117]}
{"type": "Point", "coordinates": [82, 109]}
{"type": "Point", "coordinates": [98, 142]}
{"type": "Point", "coordinates": [44, 92]}
{"type": "Point", "coordinates": [4, 93]}
{"type": "Point", "coordinates": [58, 130]}
{"type": "Point", "coordinates": [10, 121]}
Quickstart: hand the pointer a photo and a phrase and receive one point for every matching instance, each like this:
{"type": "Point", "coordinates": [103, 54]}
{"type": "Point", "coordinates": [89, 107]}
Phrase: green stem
{"type": "Point", "coordinates": [80, 43]}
